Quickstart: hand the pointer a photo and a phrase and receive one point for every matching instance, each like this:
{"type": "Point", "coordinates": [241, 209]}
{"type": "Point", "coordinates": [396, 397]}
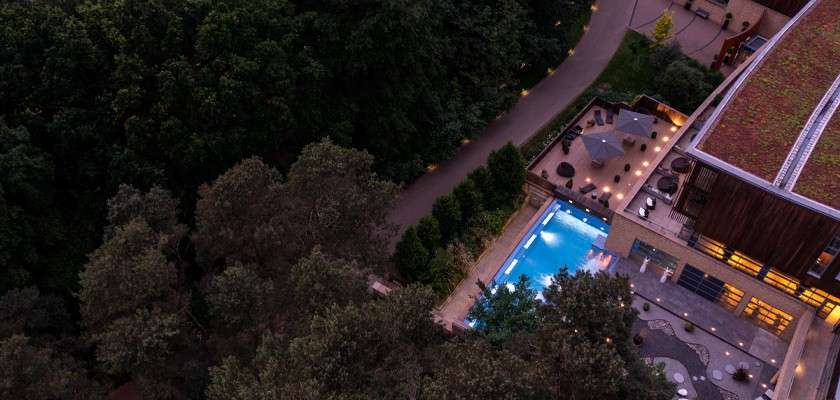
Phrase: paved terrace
{"type": "Point", "coordinates": [720, 342]}
{"type": "Point", "coordinates": [603, 177]}
{"type": "Point", "coordinates": [699, 38]}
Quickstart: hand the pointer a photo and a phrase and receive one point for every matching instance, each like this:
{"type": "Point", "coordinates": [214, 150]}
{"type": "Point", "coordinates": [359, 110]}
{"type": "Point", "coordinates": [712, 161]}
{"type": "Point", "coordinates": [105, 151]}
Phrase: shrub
{"type": "Point", "coordinates": [689, 327]}
{"type": "Point", "coordinates": [470, 199]}
{"type": "Point", "coordinates": [741, 375]}
{"type": "Point", "coordinates": [442, 272]}
{"type": "Point", "coordinates": [646, 306]}
{"type": "Point", "coordinates": [638, 339]}
{"type": "Point", "coordinates": [662, 56]}
{"type": "Point", "coordinates": [507, 173]}
{"type": "Point", "coordinates": [411, 257]}
{"type": "Point", "coordinates": [428, 230]}
{"type": "Point", "coordinates": [448, 214]}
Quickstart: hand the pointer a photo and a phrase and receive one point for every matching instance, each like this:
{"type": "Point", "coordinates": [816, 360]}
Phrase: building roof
{"type": "Point", "coordinates": [778, 125]}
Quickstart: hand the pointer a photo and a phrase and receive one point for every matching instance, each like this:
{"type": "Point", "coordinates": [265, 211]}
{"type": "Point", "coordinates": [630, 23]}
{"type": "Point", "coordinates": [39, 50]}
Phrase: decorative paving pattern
{"type": "Point", "coordinates": [701, 351]}
{"type": "Point", "coordinates": [661, 325]}
{"type": "Point", "coordinates": [727, 395]}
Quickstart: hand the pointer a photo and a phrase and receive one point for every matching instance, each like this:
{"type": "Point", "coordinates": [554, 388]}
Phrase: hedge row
{"type": "Point", "coordinates": [441, 247]}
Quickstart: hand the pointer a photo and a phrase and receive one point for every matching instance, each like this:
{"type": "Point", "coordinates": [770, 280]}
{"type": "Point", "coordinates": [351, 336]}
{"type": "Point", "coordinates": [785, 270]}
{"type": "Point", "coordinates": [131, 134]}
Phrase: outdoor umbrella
{"type": "Point", "coordinates": [633, 123]}
{"type": "Point", "coordinates": [602, 146]}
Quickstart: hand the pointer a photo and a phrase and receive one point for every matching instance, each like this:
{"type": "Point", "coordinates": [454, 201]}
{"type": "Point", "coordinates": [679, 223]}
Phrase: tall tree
{"type": "Point", "coordinates": [340, 203]}
{"type": "Point", "coordinates": [662, 29]}
{"type": "Point", "coordinates": [501, 311]}
{"type": "Point", "coordinates": [239, 298]}
{"type": "Point", "coordinates": [30, 372]}
{"type": "Point", "coordinates": [240, 215]}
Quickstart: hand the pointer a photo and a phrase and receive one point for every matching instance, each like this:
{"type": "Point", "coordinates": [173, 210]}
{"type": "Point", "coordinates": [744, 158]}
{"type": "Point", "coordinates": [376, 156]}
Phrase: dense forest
{"type": "Point", "coordinates": [266, 298]}
{"type": "Point", "coordinates": [98, 93]}
{"type": "Point", "coordinates": [193, 197]}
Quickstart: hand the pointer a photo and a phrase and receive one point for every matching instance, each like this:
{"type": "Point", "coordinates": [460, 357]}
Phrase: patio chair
{"type": "Point", "coordinates": [597, 164]}
{"type": "Point", "coordinates": [629, 141]}
{"type": "Point", "coordinates": [643, 213]}
{"type": "Point", "coordinates": [610, 115]}
{"type": "Point", "coordinates": [605, 199]}
{"type": "Point", "coordinates": [650, 203]}
{"type": "Point", "coordinates": [598, 119]}
{"type": "Point", "coordinates": [588, 188]}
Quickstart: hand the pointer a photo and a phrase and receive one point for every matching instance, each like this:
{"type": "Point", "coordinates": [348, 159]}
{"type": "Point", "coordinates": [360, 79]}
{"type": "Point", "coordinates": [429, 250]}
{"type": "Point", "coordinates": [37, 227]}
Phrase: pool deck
{"type": "Point", "coordinates": [456, 307]}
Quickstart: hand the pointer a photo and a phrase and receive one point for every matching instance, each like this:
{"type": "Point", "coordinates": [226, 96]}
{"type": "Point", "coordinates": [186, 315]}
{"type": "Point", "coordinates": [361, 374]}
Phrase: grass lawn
{"type": "Point", "coordinates": [630, 73]}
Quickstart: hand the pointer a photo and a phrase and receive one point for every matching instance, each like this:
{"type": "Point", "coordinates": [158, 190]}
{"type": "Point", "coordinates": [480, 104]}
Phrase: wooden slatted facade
{"type": "Point", "coordinates": [786, 7]}
{"type": "Point", "coordinates": [767, 227]}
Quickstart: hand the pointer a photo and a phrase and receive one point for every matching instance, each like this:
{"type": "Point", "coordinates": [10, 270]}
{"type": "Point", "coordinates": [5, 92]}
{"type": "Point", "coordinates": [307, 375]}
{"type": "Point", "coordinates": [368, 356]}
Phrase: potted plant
{"type": "Point", "coordinates": [687, 4]}
{"type": "Point", "coordinates": [569, 184]}
{"type": "Point", "coordinates": [646, 306]}
{"type": "Point", "coordinates": [740, 375]}
{"type": "Point", "coordinates": [638, 339]}
{"type": "Point", "coordinates": [689, 327]}
{"type": "Point", "coordinates": [726, 21]}
{"type": "Point", "coordinates": [745, 25]}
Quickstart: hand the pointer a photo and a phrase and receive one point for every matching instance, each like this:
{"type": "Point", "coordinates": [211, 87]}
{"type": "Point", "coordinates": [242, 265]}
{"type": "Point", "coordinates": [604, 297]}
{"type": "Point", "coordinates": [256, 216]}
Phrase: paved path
{"type": "Point", "coordinates": [546, 99]}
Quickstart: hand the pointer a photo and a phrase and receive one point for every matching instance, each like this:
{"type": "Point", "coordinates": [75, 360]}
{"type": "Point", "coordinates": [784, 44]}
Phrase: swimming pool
{"type": "Point", "coordinates": [563, 236]}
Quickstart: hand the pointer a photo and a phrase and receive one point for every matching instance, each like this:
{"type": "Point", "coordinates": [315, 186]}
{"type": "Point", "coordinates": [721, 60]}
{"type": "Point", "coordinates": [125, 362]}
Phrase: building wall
{"type": "Point", "coordinates": [624, 232]}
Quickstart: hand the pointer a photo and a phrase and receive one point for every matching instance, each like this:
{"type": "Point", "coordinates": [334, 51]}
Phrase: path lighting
{"type": "Point", "coordinates": [549, 71]}
{"type": "Point", "coordinates": [465, 141]}
{"type": "Point", "coordinates": [607, 189]}
{"type": "Point", "coordinates": [773, 360]}
{"type": "Point", "coordinates": [431, 167]}
{"type": "Point", "coordinates": [658, 300]}
{"type": "Point", "coordinates": [685, 314]}
{"type": "Point", "coordinates": [764, 386]}
{"type": "Point", "coordinates": [586, 28]}
{"type": "Point", "coordinates": [645, 163]}
{"type": "Point", "coordinates": [524, 92]}
{"type": "Point", "coordinates": [741, 344]}
{"type": "Point", "coordinates": [594, 7]}
{"type": "Point", "coordinates": [571, 52]}
{"type": "Point", "coordinates": [557, 23]}
{"type": "Point", "coordinates": [620, 196]}
{"type": "Point", "coordinates": [673, 129]}
{"type": "Point", "coordinates": [665, 138]}
{"type": "Point", "coordinates": [714, 329]}
{"type": "Point", "coordinates": [657, 149]}
{"type": "Point", "coordinates": [587, 210]}
{"type": "Point", "coordinates": [638, 172]}
{"type": "Point", "coordinates": [571, 202]}
{"type": "Point", "coordinates": [609, 340]}
{"type": "Point", "coordinates": [727, 353]}
{"type": "Point", "coordinates": [588, 180]}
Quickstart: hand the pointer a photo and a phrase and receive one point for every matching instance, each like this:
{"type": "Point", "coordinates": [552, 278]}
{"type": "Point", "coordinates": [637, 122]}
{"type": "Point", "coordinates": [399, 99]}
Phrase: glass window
{"type": "Point", "coordinates": [767, 316]}
{"type": "Point", "coordinates": [825, 258]}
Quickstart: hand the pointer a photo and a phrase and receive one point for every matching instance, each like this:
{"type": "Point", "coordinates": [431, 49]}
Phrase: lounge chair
{"type": "Point", "coordinates": [605, 199]}
{"type": "Point", "coordinates": [597, 164]}
{"type": "Point", "coordinates": [610, 115]}
{"type": "Point", "coordinates": [643, 213]}
{"type": "Point", "coordinates": [588, 188]}
{"type": "Point", "coordinates": [598, 119]}
{"type": "Point", "coordinates": [650, 203]}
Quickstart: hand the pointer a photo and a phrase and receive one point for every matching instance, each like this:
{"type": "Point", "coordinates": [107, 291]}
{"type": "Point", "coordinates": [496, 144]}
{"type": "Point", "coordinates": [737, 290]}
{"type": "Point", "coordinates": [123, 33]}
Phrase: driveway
{"type": "Point", "coordinates": [532, 112]}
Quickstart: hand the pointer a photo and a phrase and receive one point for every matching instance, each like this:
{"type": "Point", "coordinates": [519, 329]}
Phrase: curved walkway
{"type": "Point", "coordinates": [549, 97]}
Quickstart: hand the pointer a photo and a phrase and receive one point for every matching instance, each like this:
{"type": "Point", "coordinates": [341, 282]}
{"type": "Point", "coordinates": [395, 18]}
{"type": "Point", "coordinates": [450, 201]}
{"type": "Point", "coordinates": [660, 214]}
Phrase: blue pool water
{"type": "Point", "coordinates": [562, 237]}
